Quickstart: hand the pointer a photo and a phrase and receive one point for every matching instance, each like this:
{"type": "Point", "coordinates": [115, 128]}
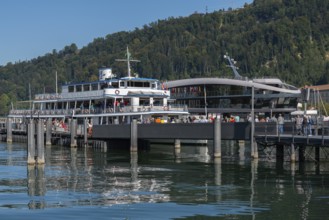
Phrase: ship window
{"type": "Point", "coordinates": [115, 84]}
{"type": "Point", "coordinates": [71, 88]}
{"type": "Point", "coordinates": [86, 87]}
{"type": "Point", "coordinates": [78, 88]}
{"type": "Point", "coordinates": [94, 86]}
{"type": "Point", "coordinates": [138, 84]}
{"type": "Point", "coordinates": [122, 84]}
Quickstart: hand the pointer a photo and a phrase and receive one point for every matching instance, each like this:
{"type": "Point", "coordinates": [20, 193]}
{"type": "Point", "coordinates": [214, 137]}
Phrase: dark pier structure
{"type": "Point", "coordinates": [261, 135]}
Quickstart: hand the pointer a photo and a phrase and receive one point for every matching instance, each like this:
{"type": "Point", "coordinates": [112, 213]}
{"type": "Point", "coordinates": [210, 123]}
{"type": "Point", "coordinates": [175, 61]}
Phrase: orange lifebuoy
{"type": "Point", "coordinates": [117, 92]}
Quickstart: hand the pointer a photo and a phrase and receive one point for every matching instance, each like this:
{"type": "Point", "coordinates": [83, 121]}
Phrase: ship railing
{"type": "Point", "coordinates": [98, 110]}
{"type": "Point", "coordinates": [41, 112]}
{"type": "Point", "coordinates": [47, 96]}
{"type": "Point", "coordinates": [225, 92]}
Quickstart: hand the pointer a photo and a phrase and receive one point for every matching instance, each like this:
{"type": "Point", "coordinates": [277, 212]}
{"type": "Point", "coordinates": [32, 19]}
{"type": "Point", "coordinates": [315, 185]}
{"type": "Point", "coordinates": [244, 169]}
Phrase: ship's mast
{"type": "Point", "coordinates": [128, 60]}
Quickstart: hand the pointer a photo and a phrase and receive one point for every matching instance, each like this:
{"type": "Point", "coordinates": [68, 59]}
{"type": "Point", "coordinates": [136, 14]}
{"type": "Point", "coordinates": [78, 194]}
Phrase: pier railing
{"type": "Point", "coordinates": [230, 131]}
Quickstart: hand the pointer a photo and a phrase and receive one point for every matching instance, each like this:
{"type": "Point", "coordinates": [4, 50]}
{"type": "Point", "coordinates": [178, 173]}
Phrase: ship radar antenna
{"type": "Point", "coordinates": [232, 65]}
{"type": "Point", "coordinates": [128, 60]}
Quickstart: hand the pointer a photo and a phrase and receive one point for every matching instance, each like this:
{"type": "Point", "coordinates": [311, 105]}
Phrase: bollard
{"type": "Point", "coordinates": [217, 138]}
{"type": "Point", "coordinates": [133, 136]}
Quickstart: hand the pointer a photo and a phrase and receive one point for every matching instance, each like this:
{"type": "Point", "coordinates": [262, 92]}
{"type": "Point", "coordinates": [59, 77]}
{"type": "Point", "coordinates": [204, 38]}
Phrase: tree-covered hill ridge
{"type": "Point", "coordinates": [287, 39]}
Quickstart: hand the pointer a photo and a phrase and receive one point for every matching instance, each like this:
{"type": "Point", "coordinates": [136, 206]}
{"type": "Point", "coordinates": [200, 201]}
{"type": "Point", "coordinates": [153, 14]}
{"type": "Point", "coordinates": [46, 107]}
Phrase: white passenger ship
{"type": "Point", "coordinates": [108, 100]}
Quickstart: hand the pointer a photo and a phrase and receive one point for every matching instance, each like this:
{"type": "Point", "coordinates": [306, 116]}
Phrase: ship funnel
{"type": "Point", "coordinates": [105, 73]}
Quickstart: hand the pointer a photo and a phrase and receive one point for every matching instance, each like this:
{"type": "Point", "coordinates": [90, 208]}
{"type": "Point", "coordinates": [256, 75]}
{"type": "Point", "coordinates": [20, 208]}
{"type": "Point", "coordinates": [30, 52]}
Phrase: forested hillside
{"type": "Point", "coordinates": [284, 38]}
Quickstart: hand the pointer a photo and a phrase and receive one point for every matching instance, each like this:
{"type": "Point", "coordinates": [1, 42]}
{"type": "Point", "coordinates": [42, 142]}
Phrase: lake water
{"type": "Point", "coordinates": [155, 184]}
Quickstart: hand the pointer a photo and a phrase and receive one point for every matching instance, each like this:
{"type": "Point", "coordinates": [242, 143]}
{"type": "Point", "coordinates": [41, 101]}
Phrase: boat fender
{"type": "Point", "coordinates": [165, 108]}
{"type": "Point", "coordinates": [117, 92]}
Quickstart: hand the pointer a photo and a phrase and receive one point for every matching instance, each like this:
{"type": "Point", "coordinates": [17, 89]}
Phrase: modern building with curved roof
{"type": "Point", "coordinates": [234, 96]}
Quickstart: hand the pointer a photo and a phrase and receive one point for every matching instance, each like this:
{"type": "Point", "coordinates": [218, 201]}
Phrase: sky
{"type": "Point", "coordinates": [33, 28]}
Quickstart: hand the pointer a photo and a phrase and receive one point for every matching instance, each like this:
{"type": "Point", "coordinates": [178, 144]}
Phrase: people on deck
{"type": "Point", "coordinates": [280, 124]}
{"type": "Point", "coordinates": [299, 124]}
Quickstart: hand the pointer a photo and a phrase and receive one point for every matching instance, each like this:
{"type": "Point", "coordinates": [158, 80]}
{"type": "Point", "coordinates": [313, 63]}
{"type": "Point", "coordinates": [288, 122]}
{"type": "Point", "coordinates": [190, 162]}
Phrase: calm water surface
{"type": "Point", "coordinates": [155, 184]}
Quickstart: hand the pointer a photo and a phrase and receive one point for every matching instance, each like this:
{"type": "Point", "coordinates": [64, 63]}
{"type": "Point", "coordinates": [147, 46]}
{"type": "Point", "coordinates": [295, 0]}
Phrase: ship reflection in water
{"type": "Point", "coordinates": [159, 183]}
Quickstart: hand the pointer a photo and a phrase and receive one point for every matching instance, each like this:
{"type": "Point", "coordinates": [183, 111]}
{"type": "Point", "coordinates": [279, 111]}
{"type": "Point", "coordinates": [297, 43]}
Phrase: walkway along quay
{"type": "Point", "coordinates": [265, 135]}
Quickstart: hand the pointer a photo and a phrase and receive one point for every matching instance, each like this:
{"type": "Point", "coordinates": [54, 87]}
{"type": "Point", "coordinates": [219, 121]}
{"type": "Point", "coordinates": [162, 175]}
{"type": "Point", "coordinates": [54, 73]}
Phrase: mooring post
{"type": "Point", "coordinates": [293, 153]}
{"type": "Point", "coordinates": [217, 138]}
{"type": "Point", "coordinates": [9, 131]}
{"type": "Point", "coordinates": [49, 125]}
{"type": "Point", "coordinates": [133, 136]}
{"type": "Point", "coordinates": [73, 131]}
{"type": "Point", "coordinates": [30, 142]}
{"type": "Point", "coordinates": [40, 142]}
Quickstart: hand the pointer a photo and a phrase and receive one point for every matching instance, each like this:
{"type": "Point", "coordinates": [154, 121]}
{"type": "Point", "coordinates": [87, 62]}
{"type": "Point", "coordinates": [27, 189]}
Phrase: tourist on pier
{"type": "Point", "coordinates": [280, 123]}
{"type": "Point", "coordinates": [299, 125]}
{"type": "Point", "coordinates": [273, 119]}
{"type": "Point", "coordinates": [305, 124]}
{"type": "Point", "coordinates": [90, 128]}
{"type": "Point", "coordinates": [309, 125]}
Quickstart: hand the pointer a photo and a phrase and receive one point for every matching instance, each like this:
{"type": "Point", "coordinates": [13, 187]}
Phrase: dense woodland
{"type": "Point", "coordinates": [281, 38]}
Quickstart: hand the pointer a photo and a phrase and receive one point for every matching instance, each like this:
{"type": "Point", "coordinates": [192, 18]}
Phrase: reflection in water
{"type": "Point", "coordinates": [36, 186]}
{"type": "Point", "coordinates": [218, 171]}
{"type": "Point", "coordinates": [254, 167]}
{"type": "Point", "coordinates": [147, 184]}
